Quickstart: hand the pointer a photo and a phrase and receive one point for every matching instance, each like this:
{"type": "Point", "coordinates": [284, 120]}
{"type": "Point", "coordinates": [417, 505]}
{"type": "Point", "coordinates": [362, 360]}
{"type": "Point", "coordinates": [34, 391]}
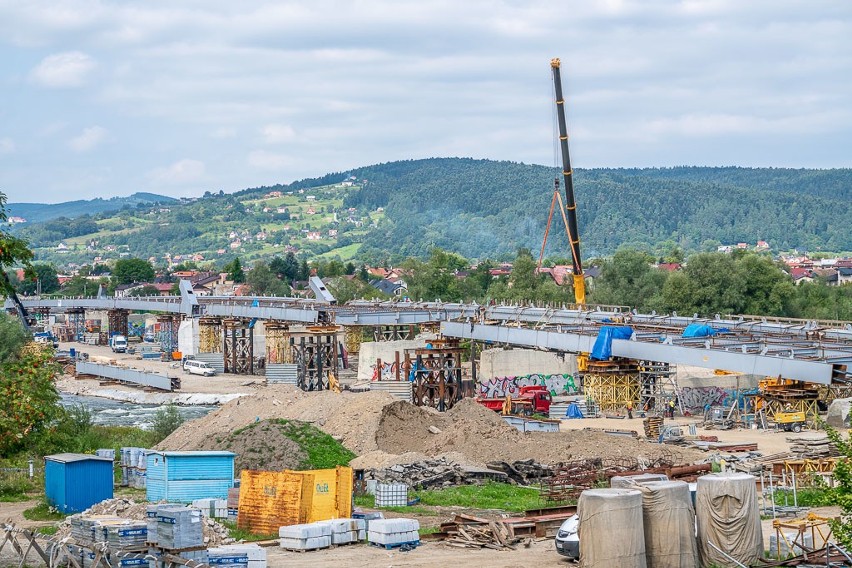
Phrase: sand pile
{"type": "Point", "coordinates": [383, 430]}
{"type": "Point", "coordinates": [351, 417]}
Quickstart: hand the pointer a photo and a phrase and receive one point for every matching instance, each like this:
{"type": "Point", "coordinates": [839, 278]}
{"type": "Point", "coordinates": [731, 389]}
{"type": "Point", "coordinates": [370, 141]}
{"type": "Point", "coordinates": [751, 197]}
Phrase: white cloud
{"type": "Point", "coordinates": [277, 133]}
{"type": "Point", "coordinates": [60, 70]}
{"type": "Point", "coordinates": [88, 139]}
{"type": "Point", "coordinates": [182, 171]}
{"type": "Point", "coordinates": [7, 146]}
{"type": "Point", "coordinates": [269, 160]}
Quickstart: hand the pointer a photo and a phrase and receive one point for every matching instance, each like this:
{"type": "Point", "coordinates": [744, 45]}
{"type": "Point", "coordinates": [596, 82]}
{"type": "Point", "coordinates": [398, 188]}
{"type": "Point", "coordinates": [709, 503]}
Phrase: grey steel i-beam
{"type": "Point", "coordinates": [699, 356]}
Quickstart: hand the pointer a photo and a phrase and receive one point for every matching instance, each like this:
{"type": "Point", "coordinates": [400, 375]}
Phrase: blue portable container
{"type": "Point", "coordinates": [182, 477]}
{"type": "Point", "coordinates": [75, 482]}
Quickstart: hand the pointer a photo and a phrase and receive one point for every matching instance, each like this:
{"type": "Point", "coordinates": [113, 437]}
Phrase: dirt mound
{"type": "Point", "coordinates": [353, 418]}
{"type": "Point", "coordinates": [371, 421]}
{"type": "Point", "coordinates": [260, 446]}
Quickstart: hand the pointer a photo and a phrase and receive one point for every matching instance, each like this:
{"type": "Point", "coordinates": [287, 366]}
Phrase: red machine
{"type": "Point", "coordinates": [531, 400]}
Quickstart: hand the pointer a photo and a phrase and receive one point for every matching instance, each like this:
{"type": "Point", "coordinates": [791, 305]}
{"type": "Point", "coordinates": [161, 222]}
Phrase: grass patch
{"type": "Point", "coordinates": [43, 512]}
{"type": "Point", "coordinates": [806, 497]}
{"type": "Point", "coordinates": [428, 530]}
{"type": "Point", "coordinates": [323, 451]}
{"type": "Point", "coordinates": [48, 531]}
{"type": "Point", "coordinates": [501, 496]}
{"type": "Point", "coordinates": [241, 534]}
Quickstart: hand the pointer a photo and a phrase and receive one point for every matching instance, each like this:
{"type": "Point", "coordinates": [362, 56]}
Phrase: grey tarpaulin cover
{"type": "Point", "coordinates": [669, 524]}
{"type": "Point", "coordinates": [611, 532]}
{"type": "Point", "coordinates": [729, 517]}
{"type": "Point", "coordinates": [630, 481]}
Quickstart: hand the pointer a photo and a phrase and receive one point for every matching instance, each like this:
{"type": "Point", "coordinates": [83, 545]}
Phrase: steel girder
{"type": "Point", "coordinates": [813, 371]}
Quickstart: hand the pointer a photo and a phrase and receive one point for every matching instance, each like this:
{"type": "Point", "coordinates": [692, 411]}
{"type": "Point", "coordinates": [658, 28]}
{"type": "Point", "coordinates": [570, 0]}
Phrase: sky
{"type": "Point", "coordinates": [102, 99]}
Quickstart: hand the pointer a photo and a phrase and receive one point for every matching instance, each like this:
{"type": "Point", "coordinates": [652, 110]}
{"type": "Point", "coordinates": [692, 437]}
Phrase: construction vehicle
{"type": "Point", "coordinates": [530, 400]}
{"type": "Point", "coordinates": [7, 288]}
{"type": "Point", "coordinates": [568, 177]}
{"type": "Point", "coordinates": [791, 421]}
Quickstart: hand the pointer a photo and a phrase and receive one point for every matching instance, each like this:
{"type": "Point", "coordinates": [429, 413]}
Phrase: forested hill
{"type": "Point", "coordinates": [482, 208]}
{"type": "Point", "coordinates": [39, 212]}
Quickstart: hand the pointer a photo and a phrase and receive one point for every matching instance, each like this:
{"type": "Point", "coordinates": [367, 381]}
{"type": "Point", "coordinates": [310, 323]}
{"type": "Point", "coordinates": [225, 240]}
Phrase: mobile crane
{"type": "Point", "coordinates": [568, 177]}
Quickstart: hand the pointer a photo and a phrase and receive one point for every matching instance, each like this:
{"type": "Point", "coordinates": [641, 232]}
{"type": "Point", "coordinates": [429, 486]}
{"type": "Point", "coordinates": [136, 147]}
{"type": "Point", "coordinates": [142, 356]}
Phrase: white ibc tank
{"type": "Point", "coordinates": [729, 518]}
{"type": "Point", "coordinates": [669, 520]}
{"type": "Point", "coordinates": [611, 529]}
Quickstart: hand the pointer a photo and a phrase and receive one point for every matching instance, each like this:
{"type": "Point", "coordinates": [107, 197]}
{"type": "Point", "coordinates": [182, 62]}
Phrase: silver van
{"type": "Point", "coordinates": [194, 367]}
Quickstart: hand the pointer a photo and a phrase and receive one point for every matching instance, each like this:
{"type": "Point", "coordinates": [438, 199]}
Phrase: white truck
{"type": "Point", "coordinates": [118, 344]}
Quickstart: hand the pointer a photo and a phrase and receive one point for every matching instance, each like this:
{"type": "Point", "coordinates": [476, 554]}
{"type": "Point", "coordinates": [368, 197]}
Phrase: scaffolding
{"type": "Point", "coordinates": [209, 335]}
{"type": "Point", "coordinates": [77, 323]}
{"type": "Point", "coordinates": [658, 386]}
{"type": "Point", "coordinates": [353, 335]}
{"type": "Point", "coordinates": [117, 322]}
{"type": "Point", "coordinates": [436, 374]}
{"type": "Point", "coordinates": [610, 385]}
{"type": "Point", "coordinates": [238, 347]}
{"type": "Point", "coordinates": [781, 395]}
{"type": "Point", "coordinates": [278, 343]}
{"type": "Point", "coordinates": [316, 358]}
{"type": "Point", "coordinates": [168, 335]}
{"type": "Point", "coordinates": [393, 332]}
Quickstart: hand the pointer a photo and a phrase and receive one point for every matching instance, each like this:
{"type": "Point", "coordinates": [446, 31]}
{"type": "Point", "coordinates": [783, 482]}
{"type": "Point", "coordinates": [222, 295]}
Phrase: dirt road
{"type": "Point", "coordinates": [768, 441]}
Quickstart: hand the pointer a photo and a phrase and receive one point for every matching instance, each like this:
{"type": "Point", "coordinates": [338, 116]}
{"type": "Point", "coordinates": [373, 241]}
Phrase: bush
{"type": "Point", "coordinates": [166, 420]}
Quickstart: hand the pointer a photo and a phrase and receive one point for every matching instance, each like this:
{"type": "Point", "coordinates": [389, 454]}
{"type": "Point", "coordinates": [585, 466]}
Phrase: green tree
{"type": "Point", "coordinates": [13, 251]}
{"type": "Point", "coordinates": [167, 419]}
{"type": "Point", "coordinates": [131, 270]}
{"type": "Point", "coordinates": [629, 279]}
{"type": "Point", "coordinates": [12, 337]}
{"type": "Point", "coordinates": [146, 290]}
{"type": "Point", "coordinates": [80, 286]}
{"type": "Point", "coordinates": [264, 282]}
{"type": "Point", "coordinates": [29, 401]}
{"type": "Point", "coordinates": [235, 271]}
{"type": "Point", "coordinates": [43, 277]}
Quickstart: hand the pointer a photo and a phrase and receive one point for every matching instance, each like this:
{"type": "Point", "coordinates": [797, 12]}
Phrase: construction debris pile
{"type": "Point", "coordinates": [571, 479]}
{"type": "Point", "coordinates": [442, 472]}
{"type": "Point", "coordinates": [388, 432]}
{"type": "Point", "coordinates": [812, 446]}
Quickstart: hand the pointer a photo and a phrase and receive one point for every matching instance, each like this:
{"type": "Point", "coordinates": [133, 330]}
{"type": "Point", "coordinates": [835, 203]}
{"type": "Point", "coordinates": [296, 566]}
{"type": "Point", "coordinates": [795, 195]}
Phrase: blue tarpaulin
{"type": "Point", "coordinates": [602, 349]}
{"type": "Point", "coordinates": [573, 411]}
{"type": "Point", "coordinates": [698, 330]}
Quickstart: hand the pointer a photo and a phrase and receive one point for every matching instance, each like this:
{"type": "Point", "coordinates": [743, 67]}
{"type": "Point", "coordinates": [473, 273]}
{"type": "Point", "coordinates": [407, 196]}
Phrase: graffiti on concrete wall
{"type": "Point", "coordinates": [695, 399]}
{"type": "Point", "coordinates": [499, 387]}
{"type": "Point", "coordinates": [386, 373]}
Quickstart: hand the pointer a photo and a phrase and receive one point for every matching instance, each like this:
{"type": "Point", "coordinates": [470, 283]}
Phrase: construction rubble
{"type": "Point", "coordinates": [440, 472]}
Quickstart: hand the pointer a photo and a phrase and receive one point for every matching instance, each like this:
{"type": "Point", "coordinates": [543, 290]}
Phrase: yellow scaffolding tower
{"type": "Point", "coordinates": [352, 337]}
{"type": "Point", "coordinates": [209, 335]}
{"type": "Point", "coordinates": [278, 348]}
{"type": "Point", "coordinates": [612, 385]}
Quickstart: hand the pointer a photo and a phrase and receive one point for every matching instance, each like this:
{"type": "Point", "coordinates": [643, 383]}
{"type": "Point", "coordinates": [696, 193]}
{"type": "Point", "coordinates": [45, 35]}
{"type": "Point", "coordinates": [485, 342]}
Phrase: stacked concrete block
{"type": "Point", "coordinates": [394, 532]}
{"type": "Point", "coordinates": [256, 555]}
{"type": "Point", "coordinates": [305, 537]}
{"type": "Point", "coordinates": [179, 528]}
{"type": "Point", "coordinates": [213, 508]}
{"type": "Point", "coordinates": [346, 531]}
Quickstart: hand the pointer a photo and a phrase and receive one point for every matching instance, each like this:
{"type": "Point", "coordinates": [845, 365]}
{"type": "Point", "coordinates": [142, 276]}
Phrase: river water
{"type": "Point", "coordinates": [108, 412]}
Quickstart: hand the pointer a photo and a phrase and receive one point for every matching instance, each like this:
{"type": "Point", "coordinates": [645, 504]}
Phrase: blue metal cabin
{"type": "Point", "coordinates": [75, 482]}
{"type": "Point", "coordinates": [182, 477]}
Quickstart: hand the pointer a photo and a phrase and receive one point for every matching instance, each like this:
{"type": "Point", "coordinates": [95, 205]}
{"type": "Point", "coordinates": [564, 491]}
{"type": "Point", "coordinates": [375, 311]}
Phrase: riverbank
{"type": "Point", "coordinates": [195, 390]}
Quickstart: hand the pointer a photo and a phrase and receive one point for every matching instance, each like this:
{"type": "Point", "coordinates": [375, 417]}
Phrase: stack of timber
{"type": "Point", "coordinates": [812, 446]}
{"type": "Point", "coordinates": [496, 535]}
{"type": "Point", "coordinates": [536, 523]}
{"type": "Point", "coordinates": [652, 426]}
